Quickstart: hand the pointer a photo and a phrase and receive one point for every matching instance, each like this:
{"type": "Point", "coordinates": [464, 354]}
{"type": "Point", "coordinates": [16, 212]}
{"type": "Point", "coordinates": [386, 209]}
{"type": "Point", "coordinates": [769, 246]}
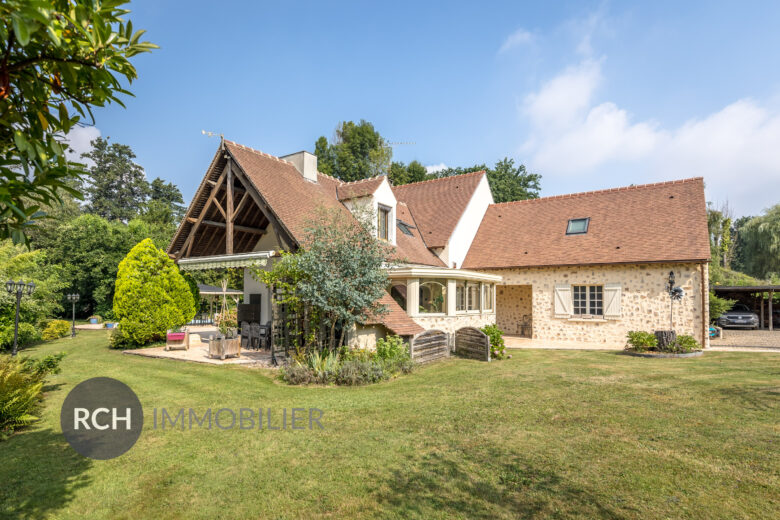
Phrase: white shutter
{"type": "Point", "coordinates": [612, 300]}
{"type": "Point", "coordinates": [562, 301]}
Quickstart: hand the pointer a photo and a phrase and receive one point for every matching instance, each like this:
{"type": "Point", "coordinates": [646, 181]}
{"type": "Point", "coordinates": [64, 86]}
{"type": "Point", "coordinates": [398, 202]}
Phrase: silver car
{"type": "Point", "coordinates": [740, 316]}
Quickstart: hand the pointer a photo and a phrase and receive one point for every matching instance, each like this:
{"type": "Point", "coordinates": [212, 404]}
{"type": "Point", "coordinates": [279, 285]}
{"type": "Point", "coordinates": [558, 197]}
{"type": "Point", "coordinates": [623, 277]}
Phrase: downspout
{"type": "Point", "coordinates": [705, 308]}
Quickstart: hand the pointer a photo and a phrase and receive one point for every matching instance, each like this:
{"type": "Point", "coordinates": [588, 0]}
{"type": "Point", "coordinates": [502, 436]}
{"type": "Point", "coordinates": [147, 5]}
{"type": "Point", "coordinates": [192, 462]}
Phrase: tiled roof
{"type": "Point", "coordinates": [362, 188]}
{"type": "Point", "coordinates": [438, 204]}
{"type": "Point", "coordinates": [292, 198]}
{"type": "Point", "coordinates": [395, 320]}
{"type": "Point", "coordinates": [412, 249]}
{"type": "Point", "coordinates": [659, 222]}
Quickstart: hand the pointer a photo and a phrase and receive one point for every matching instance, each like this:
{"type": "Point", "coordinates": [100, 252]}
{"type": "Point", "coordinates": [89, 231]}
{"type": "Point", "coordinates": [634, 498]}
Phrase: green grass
{"type": "Point", "coordinates": [547, 434]}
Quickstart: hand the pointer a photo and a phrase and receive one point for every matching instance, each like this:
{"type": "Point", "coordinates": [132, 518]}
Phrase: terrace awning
{"type": "Point", "coordinates": [199, 263]}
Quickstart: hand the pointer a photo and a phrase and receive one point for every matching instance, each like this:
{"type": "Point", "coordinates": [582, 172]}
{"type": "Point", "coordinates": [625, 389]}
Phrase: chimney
{"type": "Point", "coordinates": [305, 163]}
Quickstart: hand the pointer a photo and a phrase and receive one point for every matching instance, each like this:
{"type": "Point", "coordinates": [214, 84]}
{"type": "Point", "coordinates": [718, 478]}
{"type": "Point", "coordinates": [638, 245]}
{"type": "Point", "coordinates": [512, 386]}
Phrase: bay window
{"type": "Point", "coordinates": [433, 295]}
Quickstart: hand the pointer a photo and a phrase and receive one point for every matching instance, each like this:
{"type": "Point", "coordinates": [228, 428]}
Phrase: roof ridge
{"type": "Point", "coordinates": [259, 152]}
{"type": "Point", "coordinates": [440, 179]}
{"type": "Point", "coordinates": [331, 177]}
{"type": "Point", "coordinates": [606, 190]}
{"type": "Point", "coordinates": [347, 183]}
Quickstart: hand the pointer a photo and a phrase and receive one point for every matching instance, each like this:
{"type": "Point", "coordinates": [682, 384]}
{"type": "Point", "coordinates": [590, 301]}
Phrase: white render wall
{"type": "Point", "coordinates": [382, 195]}
{"type": "Point", "coordinates": [468, 225]}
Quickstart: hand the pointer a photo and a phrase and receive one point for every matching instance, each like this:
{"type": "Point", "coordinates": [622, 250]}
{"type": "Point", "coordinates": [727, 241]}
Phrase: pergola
{"type": "Point", "coordinates": [757, 292]}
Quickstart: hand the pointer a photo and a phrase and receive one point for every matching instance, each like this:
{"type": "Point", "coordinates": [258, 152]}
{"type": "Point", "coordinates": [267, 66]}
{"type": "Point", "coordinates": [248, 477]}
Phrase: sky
{"type": "Point", "coordinates": [590, 95]}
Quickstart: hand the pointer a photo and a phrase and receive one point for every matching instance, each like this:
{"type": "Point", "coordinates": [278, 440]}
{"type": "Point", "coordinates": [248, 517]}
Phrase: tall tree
{"type": "Point", "coordinates": [761, 242]}
{"type": "Point", "coordinates": [507, 181]}
{"type": "Point", "coordinates": [117, 188]}
{"type": "Point", "coordinates": [58, 60]}
{"type": "Point", "coordinates": [401, 173]}
{"type": "Point", "coordinates": [357, 152]}
{"type": "Point", "coordinates": [169, 195]}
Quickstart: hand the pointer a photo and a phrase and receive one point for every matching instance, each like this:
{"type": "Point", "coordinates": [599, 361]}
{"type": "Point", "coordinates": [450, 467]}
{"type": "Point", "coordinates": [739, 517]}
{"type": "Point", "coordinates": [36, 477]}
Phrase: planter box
{"type": "Point", "coordinates": [110, 325]}
{"type": "Point", "coordinates": [93, 321]}
{"type": "Point", "coordinates": [224, 347]}
{"type": "Point", "coordinates": [177, 341]}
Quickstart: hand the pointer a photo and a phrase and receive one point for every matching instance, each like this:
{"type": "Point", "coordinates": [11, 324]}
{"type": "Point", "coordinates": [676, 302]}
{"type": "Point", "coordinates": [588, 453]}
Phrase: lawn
{"type": "Point", "coordinates": [546, 434]}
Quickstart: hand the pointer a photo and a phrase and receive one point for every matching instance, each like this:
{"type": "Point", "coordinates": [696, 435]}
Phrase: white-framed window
{"type": "Point", "coordinates": [383, 222]}
{"type": "Point", "coordinates": [487, 296]}
{"type": "Point", "coordinates": [588, 300]}
{"type": "Point", "coordinates": [433, 296]}
{"type": "Point", "coordinates": [472, 296]}
{"type": "Point", "coordinates": [460, 296]}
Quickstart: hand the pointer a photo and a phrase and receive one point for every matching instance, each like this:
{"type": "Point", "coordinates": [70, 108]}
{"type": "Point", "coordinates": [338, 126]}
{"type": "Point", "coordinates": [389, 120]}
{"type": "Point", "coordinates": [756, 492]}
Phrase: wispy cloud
{"type": "Point", "coordinates": [433, 168]}
{"type": "Point", "coordinates": [78, 141]}
{"type": "Point", "coordinates": [517, 38]}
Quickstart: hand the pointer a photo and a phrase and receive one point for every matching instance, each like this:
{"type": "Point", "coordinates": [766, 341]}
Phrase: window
{"type": "Point", "coordinates": [588, 300]}
{"type": "Point", "coordinates": [487, 297]}
{"type": "Point", "coordinates": [577, 226]}
{"type": "Point", "coordinates": [405, 228]}
{"type": "Point", "coordinates": [460, 296]}
{"type": "Point", "coordinates": [383, 223]}
{"type": "Point", "coordinates": [398, 292]}
{"type": "Point", "coordinates": [472, 295]}
{"type": "Point", "coordinates": [433, 296]}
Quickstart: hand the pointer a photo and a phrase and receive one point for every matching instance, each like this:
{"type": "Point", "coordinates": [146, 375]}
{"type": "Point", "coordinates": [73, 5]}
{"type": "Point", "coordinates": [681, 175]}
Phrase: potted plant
{"type": "Point", "coordinates": [226, 342]}
{"type": "Point", "coordinates": [95, 319]}
{"type": "Point", "coordinates": [176, 334]}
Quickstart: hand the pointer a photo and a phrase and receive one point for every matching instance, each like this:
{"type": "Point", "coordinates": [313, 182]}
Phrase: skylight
{"type": "Point", "coordinates": [577, 226]}
{"type": "Point", "coordinates": [405, 228]}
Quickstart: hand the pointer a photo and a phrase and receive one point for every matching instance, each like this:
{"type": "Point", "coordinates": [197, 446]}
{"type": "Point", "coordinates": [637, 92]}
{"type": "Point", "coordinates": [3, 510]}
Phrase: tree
{"type": "Point", "coordinates": [357, 152]}
{"type": "Point", "coordinates": [117, 188]}
{"type": "Point", "coordinates": [719, 224]}
{"type": "Point", "coordinates": [151, 295]}
{"type": "Point", "coordinates": [507, 181]}
{"type": "Point", "coordinates": [761, 244]}
{"type": "Point", "coordinates": [58, 60]}
{"type": "Point", "coordinates": [90, 248]}
{"type": "Point", "coordinates": [168, 194]}
{"type": "Point", "coordinates": [719, 306]}
{"type": "Point", "coordinates": [339, 272]}
{"type": "Point", "coordinates": [400, 173]}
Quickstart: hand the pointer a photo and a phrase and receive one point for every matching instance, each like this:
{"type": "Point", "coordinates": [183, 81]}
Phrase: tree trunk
{"type": "Point", "coordinates": [332, 335]}
{"type": "Point", "coordinates": [665, 338]}
{"type": "Point", "coordinates": [341, 336]}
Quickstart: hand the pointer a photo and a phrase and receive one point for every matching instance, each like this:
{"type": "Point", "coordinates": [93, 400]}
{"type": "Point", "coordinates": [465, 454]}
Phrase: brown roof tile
{"type": "Point", "coordinates": [361, 188]}
{"type": "Point", "coordinates": [438, 204]}
{"type": "Point", "coordinates": [412, 249]}
{"type": "Point", "coordinates": [396, 320]}
{"type": "Point", "coordinates": [291, 197]}
{"type": "Point", "coordinates": [659, 222]}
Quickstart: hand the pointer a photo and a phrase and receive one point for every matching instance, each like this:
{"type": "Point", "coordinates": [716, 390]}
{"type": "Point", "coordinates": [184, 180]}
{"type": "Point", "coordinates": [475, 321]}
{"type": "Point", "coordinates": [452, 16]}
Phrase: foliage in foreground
{"type": "Point", "coordinates": [21, 386]}
{"type": "Point", "coordinates": [641, 341]}
{"type": "Point", "coordinates": [151, 295]}
{"type": "Point", "coordinates": [496, 335]}
{"type": "Point", "coordinates": [27, 334]}
{"type": "Point", "coordinates": [60, 60]}
{"type": "Point", "coordinates": [719, 306]}
{"type": "Point", "coordinates": [351, 367]}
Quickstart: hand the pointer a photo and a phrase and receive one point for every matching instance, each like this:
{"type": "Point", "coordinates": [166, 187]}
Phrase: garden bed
{"type": "Point", "coordinates": [664, 354]}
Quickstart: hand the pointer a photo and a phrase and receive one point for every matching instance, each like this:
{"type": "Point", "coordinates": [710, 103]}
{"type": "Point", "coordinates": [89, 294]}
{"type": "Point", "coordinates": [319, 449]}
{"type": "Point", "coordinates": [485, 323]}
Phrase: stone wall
{"type": "Point", "coordinates": [452, 323]}
{"type": "Point", "coordinates": [513, 308]}
{"type": "Point", "coordinates": [645, 303]}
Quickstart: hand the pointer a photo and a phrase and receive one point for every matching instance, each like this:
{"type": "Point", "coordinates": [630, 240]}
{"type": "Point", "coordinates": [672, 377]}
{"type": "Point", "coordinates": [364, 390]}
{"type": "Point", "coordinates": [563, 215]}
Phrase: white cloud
{"type": "Point", "coordinates": [735, 149]}
{"type": "Point", "coordinates": [519, 37]}
{"type": "Point", "coordinates": [78, 141]}
{"type": "Point", "coordinates": [433, 168]}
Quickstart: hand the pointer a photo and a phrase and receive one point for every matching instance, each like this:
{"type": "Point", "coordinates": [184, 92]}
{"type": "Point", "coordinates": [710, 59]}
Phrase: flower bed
{"type": "Point", "coordinates": [646, 344]}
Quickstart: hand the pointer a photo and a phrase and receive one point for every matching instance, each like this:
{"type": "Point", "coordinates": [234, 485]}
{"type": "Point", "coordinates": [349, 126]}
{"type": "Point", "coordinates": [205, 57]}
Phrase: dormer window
{"type": "Point", "coordinates": [383, 222]}
{"type": "Point", "coordinates": [577, 226]}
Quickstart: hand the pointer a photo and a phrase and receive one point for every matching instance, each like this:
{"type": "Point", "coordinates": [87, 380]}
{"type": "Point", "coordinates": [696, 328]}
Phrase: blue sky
{"type": "Point", "coordinates": [590, 95]}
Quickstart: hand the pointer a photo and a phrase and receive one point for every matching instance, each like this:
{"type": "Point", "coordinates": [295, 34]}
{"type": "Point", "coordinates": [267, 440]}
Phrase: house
{"type": "Point", "coordinates": [582, 267]}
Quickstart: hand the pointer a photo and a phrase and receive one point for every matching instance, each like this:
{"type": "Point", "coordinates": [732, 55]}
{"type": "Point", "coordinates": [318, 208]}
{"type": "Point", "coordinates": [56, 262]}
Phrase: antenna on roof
{"type": "Point", "coordinates": [396, 143]}
{"type": "Point", "coordinates": [212, 134]}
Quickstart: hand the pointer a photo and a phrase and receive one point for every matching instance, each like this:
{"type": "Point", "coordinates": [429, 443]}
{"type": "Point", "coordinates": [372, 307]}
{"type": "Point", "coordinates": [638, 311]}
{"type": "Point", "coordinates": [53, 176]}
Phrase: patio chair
{"type": "Point", "coordinates": [265, 335]}
{"type": "Point", "coordinates": [256, 336]}
{"type": "Point", "coordinates": [246, 335]}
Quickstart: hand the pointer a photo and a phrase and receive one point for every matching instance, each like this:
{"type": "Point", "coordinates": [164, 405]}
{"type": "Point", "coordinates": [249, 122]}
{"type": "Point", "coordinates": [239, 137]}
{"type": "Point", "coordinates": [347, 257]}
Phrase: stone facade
{"type": "Point", "coordinates": [645, 304]}
{"type": "Point", "coordinates": [514, 310]}
{"type": "Point", "coordinates": [450, 324]}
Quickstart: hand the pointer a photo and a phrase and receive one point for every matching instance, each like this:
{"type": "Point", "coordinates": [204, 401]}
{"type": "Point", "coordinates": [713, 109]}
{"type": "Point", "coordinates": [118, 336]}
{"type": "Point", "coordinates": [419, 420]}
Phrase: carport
{"type": "Point", "coordinates": [759, 297]}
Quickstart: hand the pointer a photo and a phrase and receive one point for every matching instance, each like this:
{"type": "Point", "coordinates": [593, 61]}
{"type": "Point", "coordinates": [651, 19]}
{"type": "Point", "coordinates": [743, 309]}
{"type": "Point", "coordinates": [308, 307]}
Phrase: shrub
{"type": "Point", "coordinates": [297, 375]}
{"type": "Point", "coordinates": [496, 335]}
{"type": "Point", "coordinates": [639, 341]}
{"type": "Point", "coordinates": [353, 373]}
{"type": "Point", "coordinates": [391, 347]}
{"type": "Point", "coordinates": [27, 334]}
{"type": "Point", "coordinates": [118, 340]}
{"type": "Point", "coordinates": [56, 329]}
{"type": "Point", "coordinates": [684, 344]}
{"type": "Point", "coordinates": [358, 354]}
{"type": "Point", "coordinates": [151, 296]}
{"type": "Point", "coordinates": [719, 306]}
{"type": "Point", "coordinates": [21, 385]}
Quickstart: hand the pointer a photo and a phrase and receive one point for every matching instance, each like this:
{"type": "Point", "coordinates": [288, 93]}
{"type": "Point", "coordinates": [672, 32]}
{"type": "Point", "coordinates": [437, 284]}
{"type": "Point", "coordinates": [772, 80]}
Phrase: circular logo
{"type": "Point", "coordinates": [101, 418]}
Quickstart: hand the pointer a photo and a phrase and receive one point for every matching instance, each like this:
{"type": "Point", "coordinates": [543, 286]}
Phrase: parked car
{"type": "Point", "coordinates": [740, 316]}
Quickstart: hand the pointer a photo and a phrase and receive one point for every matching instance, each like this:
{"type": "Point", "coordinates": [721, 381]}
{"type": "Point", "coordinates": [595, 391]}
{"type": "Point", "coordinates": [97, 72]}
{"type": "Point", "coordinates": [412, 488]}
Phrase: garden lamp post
{"type": "Point", "coordinates": [20, 288]}
{"type": "Point", "coordinates": [73, 298]}
{"type": "Point", "coordinates": [670, 289]}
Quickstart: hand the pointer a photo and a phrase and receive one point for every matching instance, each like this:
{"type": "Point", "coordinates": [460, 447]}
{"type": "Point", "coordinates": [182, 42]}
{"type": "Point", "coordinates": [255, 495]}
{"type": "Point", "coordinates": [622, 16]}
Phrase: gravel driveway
{"type": "Point", "coordinates": [748, 338]}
